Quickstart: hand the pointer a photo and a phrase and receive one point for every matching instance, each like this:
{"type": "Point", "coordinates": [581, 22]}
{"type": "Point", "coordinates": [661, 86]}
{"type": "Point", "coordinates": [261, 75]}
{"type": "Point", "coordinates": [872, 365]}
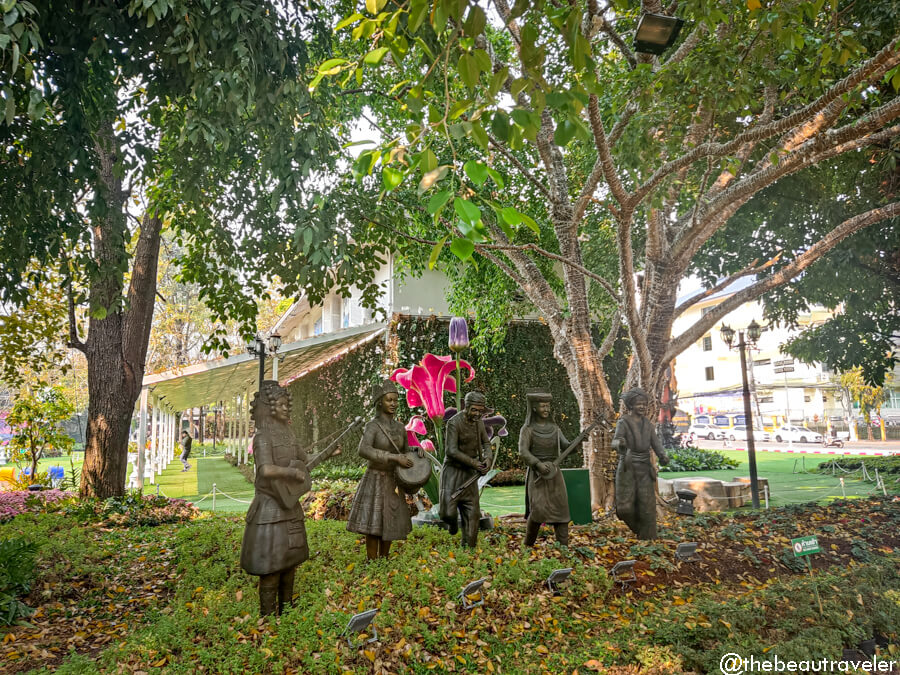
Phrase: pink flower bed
{"type": "Point", "coordinates": [21, 501]}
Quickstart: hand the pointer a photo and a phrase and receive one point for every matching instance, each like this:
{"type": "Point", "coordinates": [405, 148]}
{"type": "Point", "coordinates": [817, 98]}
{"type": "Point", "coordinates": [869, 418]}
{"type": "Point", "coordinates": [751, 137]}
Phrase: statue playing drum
{"type": "Point", "coordinates": [379, 508]}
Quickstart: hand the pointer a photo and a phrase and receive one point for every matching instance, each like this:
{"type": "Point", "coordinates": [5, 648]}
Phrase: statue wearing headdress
{"type": "Point", "coordinates": [634, 439]}
{"type": "Point", "coordinates": [540, 444]}
{"type": "Point", "coordinates": [275, 536]}
{"type": "Point", "coordinates": [379, 509]}
{"type": "Point", "coordinates": [468, 453]}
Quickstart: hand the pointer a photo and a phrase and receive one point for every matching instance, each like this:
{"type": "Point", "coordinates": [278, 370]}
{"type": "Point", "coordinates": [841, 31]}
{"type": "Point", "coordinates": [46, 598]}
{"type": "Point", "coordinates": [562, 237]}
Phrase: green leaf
{"type": "Point", "coordinates": [391, 178]}
{"type": "Point", "coordinates": [468, 70]}
{"type": "Point", "coordinates": [462, 248]}
{"type": "Point", "coordinates": [438, 200]}
{"type": "Point", "coordinates": [375, 6]}
{"type": "Point", "coordinates": [500, 125]}
{"type": "Point", "coordinates": [435, 252]}
{"type": "Point", "coordinates": [496, 177]}
{"type": "Point", "coordinates": [497, 81]}
{"type": "Point", "coordinates": [479, 135]}
{"type": "Point", "coordinates": [374, 57]}
{"type": "Point", "coordinates": [429, 160]}
{"type": "Point", "coordinates": [510, 215]}
{"type": "Point", "coordinates": [466, 210]}
{"type": "Point", "coordinates": [417, 12]}
{"type": "Point", "coordinates": [99, 313]}
{"type": "Point", "coordinates": [483, 59]}
{"type": "Point", "coordinates": [331, 66]}
{"type": "Point", "coordinates": [353, 18]}
{"type": "Point", "coordinates": [565, 132]}
{"type": "Point", "coordinates": [532, 225]}
{"type": "Point", "coordinates": [475, 21]}
{"type": "Point", "coordinates": [476, 171]}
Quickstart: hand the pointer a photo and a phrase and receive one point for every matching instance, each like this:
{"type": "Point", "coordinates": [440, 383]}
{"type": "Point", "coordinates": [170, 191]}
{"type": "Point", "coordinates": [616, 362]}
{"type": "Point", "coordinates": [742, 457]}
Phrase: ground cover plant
{"type": "Point", "coordinates": [697, 459]}
{"type": "Point", "coordinates": [172, 598]}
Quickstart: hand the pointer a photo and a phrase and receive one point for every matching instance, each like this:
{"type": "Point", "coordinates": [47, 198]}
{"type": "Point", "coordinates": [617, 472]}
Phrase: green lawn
{"type": "Point", "coordinates": [785, 486]}
{"type": "Point", "coordinates": [233, 492]}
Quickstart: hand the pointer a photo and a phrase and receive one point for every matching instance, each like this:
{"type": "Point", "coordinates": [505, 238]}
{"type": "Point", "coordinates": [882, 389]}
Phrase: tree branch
{"type": "Point", "coordinates": [782, 276]}
{"type": "Point", "coordinates": [610, 340]}
{"type": "Point", "coordinates": [725, 283]}
{"type": "Point", "coordinates": [629, 298]}
{"type": "Point", "coordinates": [850, 137]}
{"type": "Point", "coordinates": [871, 70]}
{"type": "Point", "coordinates": [74, 341]}
{"type": "Point", "coordinates": [521, 167]}
{"type": "Point", "coordinates": [604, 158]}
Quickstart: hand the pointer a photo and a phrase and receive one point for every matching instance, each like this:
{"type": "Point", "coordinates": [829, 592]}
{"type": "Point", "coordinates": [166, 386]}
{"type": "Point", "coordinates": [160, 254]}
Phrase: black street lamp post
{"type": "Point", "coordinates": [259, 348]}
{"type": "Point", "coordinates": [753, 332]}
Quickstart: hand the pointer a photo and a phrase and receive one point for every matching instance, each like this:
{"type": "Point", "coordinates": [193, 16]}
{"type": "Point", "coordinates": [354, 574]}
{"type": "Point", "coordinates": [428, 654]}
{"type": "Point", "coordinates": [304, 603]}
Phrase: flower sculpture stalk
{"type": "Point", "coordinates": [458, 342]}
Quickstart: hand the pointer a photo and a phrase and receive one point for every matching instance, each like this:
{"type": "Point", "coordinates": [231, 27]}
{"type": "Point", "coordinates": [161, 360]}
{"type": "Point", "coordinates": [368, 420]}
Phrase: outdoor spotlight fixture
{"type": "Point", "coordinates": [358, 623]}
{"type": "Point", "coordinates": [656, 33]}
{"type": "Point", "coordinates": [686, 499]}
{"type": "Point", "coordinates": [472, 588]}
{"type": "Point", "coordinates": [687, 551]}
{"type": "Point", "coordinates": [557, 577]}
{"type": "Point", "coordinates": [621, 570]}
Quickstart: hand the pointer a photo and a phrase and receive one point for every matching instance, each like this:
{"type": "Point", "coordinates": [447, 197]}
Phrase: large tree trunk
{"type": "Point", "coordinates": [576, 351]}
{"type": "Point", "coordinates": [116, 346]}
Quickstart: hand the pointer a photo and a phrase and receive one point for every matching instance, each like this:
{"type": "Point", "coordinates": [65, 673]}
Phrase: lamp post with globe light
{"type": "Point", "coordinates": [753, 332]}
{"type": "Point", "coordinates": [259, 348]}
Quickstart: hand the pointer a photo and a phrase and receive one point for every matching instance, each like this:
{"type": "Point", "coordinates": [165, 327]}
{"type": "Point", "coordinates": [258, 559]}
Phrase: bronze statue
{"type": "Point", "coordinates": [540, 444]}
{"type": "Point", "coordinates": [379, 508]}
{"type": "Point", "coordinates": [635, 475]}
{"type": "Point", "coordinates": [275, 537]}
{"type": "Point", "coordinates": [468, 451]}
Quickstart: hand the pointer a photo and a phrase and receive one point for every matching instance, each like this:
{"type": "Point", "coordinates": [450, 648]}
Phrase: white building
{"type": "Point", "coordinates": [422, 295]}
{"type": "Point", "coordinates": [709, 373]}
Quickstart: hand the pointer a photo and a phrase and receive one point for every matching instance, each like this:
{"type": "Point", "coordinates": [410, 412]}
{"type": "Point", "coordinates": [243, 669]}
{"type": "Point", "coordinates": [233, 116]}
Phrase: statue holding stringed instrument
{"type": "Point", "coordinates": [275, 536]}
{"type": "Point", "coordinates": [543, 447]}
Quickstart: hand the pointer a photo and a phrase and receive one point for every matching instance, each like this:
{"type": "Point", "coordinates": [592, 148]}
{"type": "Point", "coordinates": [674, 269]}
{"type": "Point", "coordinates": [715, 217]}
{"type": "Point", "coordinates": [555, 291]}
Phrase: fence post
{"type": "Point", "coordinates": [214, 496]}
{"type": "Point", "coordinates": [766, 495]}
{"type": "Point", "coordinates": [843, 491]}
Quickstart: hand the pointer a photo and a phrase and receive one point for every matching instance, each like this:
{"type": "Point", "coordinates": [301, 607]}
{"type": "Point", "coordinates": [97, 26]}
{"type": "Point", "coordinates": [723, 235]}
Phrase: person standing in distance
{"type": "Point", "coordinates": [186, 442]}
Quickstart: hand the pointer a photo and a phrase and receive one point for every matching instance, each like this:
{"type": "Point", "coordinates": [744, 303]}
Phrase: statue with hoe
{"type": "Point", "coordinates": [633, 440]}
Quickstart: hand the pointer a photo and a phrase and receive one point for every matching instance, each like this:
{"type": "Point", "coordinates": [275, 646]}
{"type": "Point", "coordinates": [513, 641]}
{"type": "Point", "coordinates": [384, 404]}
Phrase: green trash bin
{"type": "Point", "coordinates": [578, 487]}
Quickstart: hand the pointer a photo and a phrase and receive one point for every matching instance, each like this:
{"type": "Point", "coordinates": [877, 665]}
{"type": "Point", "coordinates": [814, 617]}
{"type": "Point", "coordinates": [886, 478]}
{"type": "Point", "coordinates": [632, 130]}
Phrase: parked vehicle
{"type": "Point", "coordinates": [833, 442]}
{"type": "Point", "coordinates": [708, 431]}
{"type": "Point", "coordinates": [739, 433]}
{"type": "Point", "coordinates": [797, 434]}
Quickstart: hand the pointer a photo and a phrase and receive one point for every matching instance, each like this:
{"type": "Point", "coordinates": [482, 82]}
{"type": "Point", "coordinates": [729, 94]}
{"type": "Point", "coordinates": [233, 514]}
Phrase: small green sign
{"type": "Point", "coordinates": [805, 545]}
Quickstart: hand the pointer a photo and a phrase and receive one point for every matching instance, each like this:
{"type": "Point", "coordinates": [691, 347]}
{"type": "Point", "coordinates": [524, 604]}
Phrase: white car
{"type": "Point", "coordinates": [739, 433]}
{"type": "Point", "coordinates": [708, 431]}
{"type": "Point", "coordinates": [796, 434]}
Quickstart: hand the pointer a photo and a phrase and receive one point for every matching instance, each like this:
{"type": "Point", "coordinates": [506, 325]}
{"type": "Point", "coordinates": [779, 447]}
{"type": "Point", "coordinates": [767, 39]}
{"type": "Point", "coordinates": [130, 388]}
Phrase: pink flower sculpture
{"type": "Point", "coordinates": [415, 428]}
{"type": "Point", "coordinates": [426, 382]}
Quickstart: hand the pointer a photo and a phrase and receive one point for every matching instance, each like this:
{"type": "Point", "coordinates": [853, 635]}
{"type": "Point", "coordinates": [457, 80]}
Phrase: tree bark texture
{"type": "Point", "coordinates": [119, 330]}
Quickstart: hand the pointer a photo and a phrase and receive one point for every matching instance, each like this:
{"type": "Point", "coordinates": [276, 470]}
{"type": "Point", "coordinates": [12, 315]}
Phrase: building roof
{"type": "Point", "coordinates": [213, 381]}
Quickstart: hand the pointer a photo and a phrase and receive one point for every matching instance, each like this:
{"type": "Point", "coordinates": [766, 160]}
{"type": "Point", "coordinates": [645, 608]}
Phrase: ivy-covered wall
{"type": "Point", "coordinates": [327, 399]}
